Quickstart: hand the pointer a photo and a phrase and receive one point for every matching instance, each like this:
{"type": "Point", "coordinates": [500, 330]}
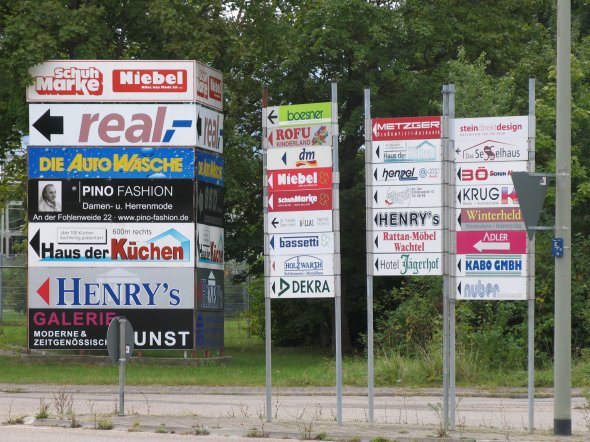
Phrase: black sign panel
{"type": "Point", "coordinates": [210, 285]}
{"type": "Point", "coordinates": [209, 332]}
{"type": "Point", "coordinates": [86, 329]}
{"type": "Point", "coordinates": [111, 200]}
{"type": "Point", "coordinates": [209, 204]}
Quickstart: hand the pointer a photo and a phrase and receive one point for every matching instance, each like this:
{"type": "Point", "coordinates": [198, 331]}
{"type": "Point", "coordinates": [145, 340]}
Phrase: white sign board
{"type": "Point", "coordinates": [298, 158]}
{"type": "Point", "coordinates": [385, 197]}
{"type": "Point", "coordinates": [112, 125]}
{"type": "Point", "coordinates": [302, 287]}
{"type": "Point", "coordinates": [299, 136]}
{"type": "Point", "coordinates": [302, 265]}
{"type": "Point", "coordinates": [111, 245]}
{"type": "Point", "coordinates": [405, 241]}
{"type": "Point", "coordinates": [474, 174]}
{"type": "Point", "coordinates": [407, 173]}
{"type": "Point", "coordinates": [210, 247]}
{"type": "Point", "coordinates": [112, 81]}
{"type": "Point", "coordinates": [301, 243]}
{"type": "Point", "coordinates": [298, 222]}
{"type": "Point", "coordinates": [486, 196]}
{"type": "Point", "coordinates": [407, 219]}
{"type": "Point", "coordinates": [491, 288]}
{"type": "Point", "coordinates": [491, 265]}
{"type": "Point", "coordinates": [492, 139]}
{"type": "Point", "coordinates": [406, 151]}
{"type": "Point", "coordinates": [209, 86]}
{"type": "Point", "coordinates": [489, 218]}
{"type": "Point", "coordinates": [407, 264]}
{"type": "Point", "coordinates": [114, 288]}
{"type": "Point", "coordinates": [209, 130]}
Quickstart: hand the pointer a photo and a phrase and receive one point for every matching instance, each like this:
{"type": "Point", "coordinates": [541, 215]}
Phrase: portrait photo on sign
{"type": "Point", "coordinates": [49, 196]}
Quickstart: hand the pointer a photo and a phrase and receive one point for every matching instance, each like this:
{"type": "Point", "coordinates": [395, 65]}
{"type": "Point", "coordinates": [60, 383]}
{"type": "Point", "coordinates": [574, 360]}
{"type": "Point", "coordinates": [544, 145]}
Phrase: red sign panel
{"type": "Point", "coordinates": [293, 179]}
{"type": "Point", "coordinates": [406, 128]}
{"type": "Point", "coordinates": [299, 200]}
{"type": "Point", "coordinates": [150, 80]}
{"type": "Point", "coordinates": [502, 241]}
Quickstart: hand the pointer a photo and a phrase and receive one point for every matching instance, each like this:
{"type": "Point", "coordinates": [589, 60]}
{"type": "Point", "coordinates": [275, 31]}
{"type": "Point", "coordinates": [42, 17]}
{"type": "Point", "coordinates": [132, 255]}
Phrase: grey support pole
{"type": "Point", "coordinates": [452, 260]}
{"type": "Point", "coordinates": [369, 255]}
{"type": "Point", "coordinates": [446, 252]}
{"type": "Point", "coordinates": [337, 266]}
{"type": "Point", "coordinates": [531, 270]}
{"type": "Point", "coordinates": [562, 422]}
{"type": "Point", "coordinates": [122, 360]}
{"type": "Point", "coordinates": [267, 323]}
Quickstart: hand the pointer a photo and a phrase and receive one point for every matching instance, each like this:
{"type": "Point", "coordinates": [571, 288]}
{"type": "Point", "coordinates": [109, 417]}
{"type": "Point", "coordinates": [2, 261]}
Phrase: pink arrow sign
{"type": "Point", "coordinates": [502, 241]}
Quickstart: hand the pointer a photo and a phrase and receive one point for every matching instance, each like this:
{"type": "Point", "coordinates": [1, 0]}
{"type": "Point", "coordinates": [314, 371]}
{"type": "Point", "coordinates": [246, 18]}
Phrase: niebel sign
{"type": "Point", "coordinates": [299, 114]}
{"type": "Point", "coordinates": [112, 81]}
{"type": "Point", "coordinates": [113, 125]}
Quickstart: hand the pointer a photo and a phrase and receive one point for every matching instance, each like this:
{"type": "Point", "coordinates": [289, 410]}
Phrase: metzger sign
{"type": "Point", "coordinates": [407, 128]}
{"type": "Point", "coordinates": [104, 81]}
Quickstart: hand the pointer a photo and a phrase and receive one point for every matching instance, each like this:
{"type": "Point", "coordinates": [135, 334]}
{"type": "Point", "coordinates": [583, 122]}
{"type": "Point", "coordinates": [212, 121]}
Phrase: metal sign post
{"type": "Point", "coordinates": [369, 241]}
{"type": "Point", "coordinates": [120, 342]}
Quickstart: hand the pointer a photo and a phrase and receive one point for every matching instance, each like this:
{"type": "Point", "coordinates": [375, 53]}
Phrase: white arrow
{"type": "Point", "coordinates": [270, 201]}
{"type": "Point", "coordinates": [480, 245]}
{"type": "Point", "coordinates": [270, 181]}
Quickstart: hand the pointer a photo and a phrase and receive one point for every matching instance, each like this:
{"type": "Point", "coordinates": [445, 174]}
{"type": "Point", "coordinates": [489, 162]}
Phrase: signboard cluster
{"type": "Point", "coordinates": [112, 213]}
{"type": "Point", "coordinates": [299, 189]}
{"type": "Point", "coordinates": [406, 188]}
{"type": "Point", "coordinates": [491, 238]}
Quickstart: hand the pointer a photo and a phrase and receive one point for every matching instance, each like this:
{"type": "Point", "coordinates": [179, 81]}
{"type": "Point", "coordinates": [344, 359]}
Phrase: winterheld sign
{"type": "Point", "coordinates": [111, 288]}
{"type": "Point", "coordinates": [113, 125]}
{"type": "Point", "coordinates": [111, 245]}
{"type": "Point", "coordinates": [112, 80]}
{"type": "Point", "coordinates": [490, 218]}
{"type": "Point", "coordinates": [110, 162]}
{"type": "Point", "coordinates": [112, 201]}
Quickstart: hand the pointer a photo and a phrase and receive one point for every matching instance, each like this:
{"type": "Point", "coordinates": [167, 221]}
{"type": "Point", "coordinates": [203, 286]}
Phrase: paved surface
{"type": "Point", "coordinates": [234, 413]}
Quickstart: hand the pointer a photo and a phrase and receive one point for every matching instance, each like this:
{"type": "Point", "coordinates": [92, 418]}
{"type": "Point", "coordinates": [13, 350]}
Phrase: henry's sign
{"type": "Point", "coordinates": [115, 81]}
{"type": "Point", "coordinates": [113, 125]}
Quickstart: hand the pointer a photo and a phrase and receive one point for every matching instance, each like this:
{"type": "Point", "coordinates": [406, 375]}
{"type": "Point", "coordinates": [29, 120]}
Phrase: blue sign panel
{"type": "Point", "coordinates": [557, 247]}
{"type": "Point", "coordinates": [111, 162]}
{"type": "Point", "coordinates": [210, 168]}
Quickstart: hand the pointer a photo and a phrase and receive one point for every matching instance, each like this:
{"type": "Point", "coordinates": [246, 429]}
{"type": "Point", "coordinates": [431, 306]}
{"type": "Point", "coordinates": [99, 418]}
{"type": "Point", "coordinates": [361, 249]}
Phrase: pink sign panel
{"type": "Point", "coordinates": [502, 241]}
{"type": "Point", "coordinates": [300, 200]}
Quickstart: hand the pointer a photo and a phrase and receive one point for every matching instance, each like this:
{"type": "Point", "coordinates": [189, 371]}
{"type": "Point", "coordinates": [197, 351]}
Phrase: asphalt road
{"type": "Point", "coordinates": [238, 414]}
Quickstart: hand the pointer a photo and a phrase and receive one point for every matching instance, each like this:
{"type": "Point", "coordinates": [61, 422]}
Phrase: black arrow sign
{"type": "Point", "coordinates": [459, 219]}
{"type": "Point", "coordinates": [376, 264]}
{"type": "Point", "coordinates": [273, 287]}
{"type": "Point", "coordinates": [459, 196]}
{"type": "Point", "coordinates": [48, 125]}
{"type": "Point", "coordinates": [459, 265]}
{"type": "Point", "coordinates": [377, 152]}
{"type": "Point", "coordinates": [375, 174]}
{"type": "Point", "coordinates": [459, 288]}
{"type": "Point", "coordinates": [35, 242]}
{"type": "Point", "coordinates": [199, 125]}
{"type": "Point", "coordinates": [459, 174]}
{"type": "Point", "coordinates": [458, 151]}
{"type": "Point", "coordinates": [275, 223]}
{"type": "Point", "coordinates": [272, 117]}
{"type": "Point", "coordinates": [375, 219]}
{"type": "Point", "coordinates": [375, 196]}
{"type": "Point", "coordinates": [377, 241]}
